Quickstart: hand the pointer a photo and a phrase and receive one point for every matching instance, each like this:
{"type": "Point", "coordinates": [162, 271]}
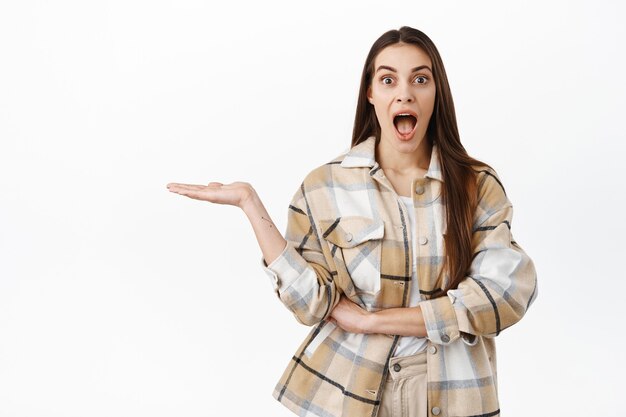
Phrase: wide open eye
{"type": "Point", "coordinates": [387, 80]}
{"type": "Point", "coordinates": [420, 79]}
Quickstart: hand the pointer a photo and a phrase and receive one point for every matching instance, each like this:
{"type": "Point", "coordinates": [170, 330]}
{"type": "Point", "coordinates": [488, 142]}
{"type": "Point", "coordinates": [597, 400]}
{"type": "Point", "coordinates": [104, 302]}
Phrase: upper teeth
{"type": "Point", "coordinates": [403, 114]}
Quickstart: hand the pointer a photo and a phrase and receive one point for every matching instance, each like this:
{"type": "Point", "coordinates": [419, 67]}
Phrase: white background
{"type": "Point", "coordinates": [119, 298]}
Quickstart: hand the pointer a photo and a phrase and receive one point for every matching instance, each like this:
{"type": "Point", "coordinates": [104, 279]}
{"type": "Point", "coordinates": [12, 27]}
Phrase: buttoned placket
{"type": "Point", "coordinates": [419, 186]}
{"type": "Point", "coordinates": [421, 200]}
{"type": "Point", "coordinates": [418, 195]}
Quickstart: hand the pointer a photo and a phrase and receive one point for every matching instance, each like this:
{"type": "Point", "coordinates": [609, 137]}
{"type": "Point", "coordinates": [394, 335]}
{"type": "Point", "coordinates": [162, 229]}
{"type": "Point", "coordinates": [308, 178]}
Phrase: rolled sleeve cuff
{"type": "Point", "coordinates": [285, 269]}
{"type": "Point", "coordinates": [440, 320]}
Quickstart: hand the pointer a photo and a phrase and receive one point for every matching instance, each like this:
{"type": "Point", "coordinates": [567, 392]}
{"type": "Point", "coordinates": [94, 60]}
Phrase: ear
{"type": "Point", "coordinates": [369, 95]}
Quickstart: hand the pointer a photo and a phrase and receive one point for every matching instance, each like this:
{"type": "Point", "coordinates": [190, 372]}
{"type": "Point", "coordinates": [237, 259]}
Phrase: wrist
{"type": "Point", "coordinates": [251, 204]}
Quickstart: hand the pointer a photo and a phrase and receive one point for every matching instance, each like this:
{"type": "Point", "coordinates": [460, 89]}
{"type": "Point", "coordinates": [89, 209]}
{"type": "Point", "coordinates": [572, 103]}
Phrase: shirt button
{"type": "Point", "coordinates": [397, 367]}
{"type": "Point", "coordinates": [349, 237]}
{"type": "Point", "coordinates": [445, 338]}
{"type": "Point", "coordinates": [436, 411]}
{"type": "Point", "coordinates": [432, 350]}
{"type": "Point", "coordinates": [423, 240]}
{"type": "Point", "coordinates": [419, 190]}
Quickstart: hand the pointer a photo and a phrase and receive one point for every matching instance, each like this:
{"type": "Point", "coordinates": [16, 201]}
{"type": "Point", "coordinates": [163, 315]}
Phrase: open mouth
{"type": "Point", "coordinates": [405, 124]}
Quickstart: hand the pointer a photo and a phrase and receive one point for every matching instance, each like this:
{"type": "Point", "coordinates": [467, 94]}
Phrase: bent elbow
{"type": "Point", "coordinates": [306, 319]}
{"type": "Point", "coordinates": [313, 306]}
{"type": "Point", "coordinates": [500, 317]}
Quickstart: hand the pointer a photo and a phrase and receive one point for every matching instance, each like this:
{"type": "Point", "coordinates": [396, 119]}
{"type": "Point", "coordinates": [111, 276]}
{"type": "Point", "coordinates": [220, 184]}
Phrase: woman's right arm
{"type": "Point", "coordinates": [242, 195]}
{"type": "Point", "coordinates": [298, 269]}
{"type": "Point", "coordinates": [271, 241]}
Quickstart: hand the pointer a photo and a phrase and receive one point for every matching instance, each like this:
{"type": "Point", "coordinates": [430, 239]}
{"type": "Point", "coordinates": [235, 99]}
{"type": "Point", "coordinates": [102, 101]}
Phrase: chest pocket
{"type": "Point", "coordinates": [359, 240]}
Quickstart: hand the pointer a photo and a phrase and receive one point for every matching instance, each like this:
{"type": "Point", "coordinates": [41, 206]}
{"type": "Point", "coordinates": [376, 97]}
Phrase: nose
{"type": "Point", "coordinates": [406, 99]}
{"type": "Point", "coordinates": [405, 95]}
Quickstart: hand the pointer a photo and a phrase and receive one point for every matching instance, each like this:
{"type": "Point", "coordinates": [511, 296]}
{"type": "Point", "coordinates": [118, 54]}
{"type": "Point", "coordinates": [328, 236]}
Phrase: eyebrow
{"type": "Point", "coordinates": [392, 69]}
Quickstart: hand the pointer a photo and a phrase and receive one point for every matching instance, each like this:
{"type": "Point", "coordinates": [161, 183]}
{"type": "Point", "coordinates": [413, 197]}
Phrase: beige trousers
{"type": "Point", "coordinates": [405, 389]}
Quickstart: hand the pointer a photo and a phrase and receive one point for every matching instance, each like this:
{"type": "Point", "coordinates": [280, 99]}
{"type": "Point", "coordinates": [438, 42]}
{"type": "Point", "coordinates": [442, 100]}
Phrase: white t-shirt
{"type": "Point", "coordinates": [409, 345]}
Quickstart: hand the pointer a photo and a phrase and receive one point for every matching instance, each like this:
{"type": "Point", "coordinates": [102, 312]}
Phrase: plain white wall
{"type": "Point", "coordinates": [120, 298]}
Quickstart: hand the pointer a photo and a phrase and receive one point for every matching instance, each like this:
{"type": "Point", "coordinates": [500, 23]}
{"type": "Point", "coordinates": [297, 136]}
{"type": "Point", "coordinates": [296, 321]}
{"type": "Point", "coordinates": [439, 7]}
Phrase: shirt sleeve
{"type": "Point", "coordinates": [501, 283]}
{"type": "Point", "coordinates": [301, 275]}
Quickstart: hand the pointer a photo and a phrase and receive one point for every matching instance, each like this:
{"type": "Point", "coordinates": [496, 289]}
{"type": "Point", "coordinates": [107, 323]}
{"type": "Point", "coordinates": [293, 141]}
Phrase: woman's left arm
{"type": "Point", "coordinates": [501, 283]}
{"type": "Point", "coordinates": [500, 286]}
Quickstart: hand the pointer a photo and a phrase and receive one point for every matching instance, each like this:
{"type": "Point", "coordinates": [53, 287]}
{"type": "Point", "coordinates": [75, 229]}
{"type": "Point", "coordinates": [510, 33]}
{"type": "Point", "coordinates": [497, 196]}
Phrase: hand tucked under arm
{"type": "Point", "coordinates": [403, 321]}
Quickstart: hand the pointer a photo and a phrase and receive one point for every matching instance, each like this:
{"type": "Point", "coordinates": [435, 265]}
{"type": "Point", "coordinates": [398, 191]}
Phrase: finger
{"type": "Point", "coordinates": [178, 184]}
{"type": "Point", "coordinates": [215, 184]}
{"type": "Point", "coordinates": [197, 195]}
{"type": "Point", "coordinates": [201, 192]}
{"type": "Point", "coordinates": [187, 187]}
{"type": "Point", "coordinates": [348, 301]}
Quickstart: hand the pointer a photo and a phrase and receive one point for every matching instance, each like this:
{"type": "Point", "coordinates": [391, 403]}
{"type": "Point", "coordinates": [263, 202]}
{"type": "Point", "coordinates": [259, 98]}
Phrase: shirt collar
{"type": "Point", "coordinates": [363, 155]}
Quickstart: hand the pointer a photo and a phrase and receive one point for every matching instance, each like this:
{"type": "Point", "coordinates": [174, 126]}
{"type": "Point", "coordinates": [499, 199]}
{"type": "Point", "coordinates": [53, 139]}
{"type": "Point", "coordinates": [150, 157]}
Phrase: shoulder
{"type": "Point", "coordinates": [323, 175]}
{"type": "Point", "coordinates": [491, 192]}
{"type": "Point", "coordinates": [488, 181]}
{"type": "Point", "coordinates": [321, 178]}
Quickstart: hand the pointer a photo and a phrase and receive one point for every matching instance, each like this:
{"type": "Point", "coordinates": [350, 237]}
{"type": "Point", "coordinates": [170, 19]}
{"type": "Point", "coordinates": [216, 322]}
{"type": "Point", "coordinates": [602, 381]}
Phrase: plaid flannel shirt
{"type": "Point", "coordinates": [347, 234]}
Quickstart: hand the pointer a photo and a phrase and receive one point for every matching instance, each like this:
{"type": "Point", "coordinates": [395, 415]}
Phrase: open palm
{"type": "Point", "coordinates": [235, 194]}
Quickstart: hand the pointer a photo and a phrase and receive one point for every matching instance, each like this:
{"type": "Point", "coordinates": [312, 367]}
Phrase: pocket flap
{"type": "Point", "coordinates": [350, 231]}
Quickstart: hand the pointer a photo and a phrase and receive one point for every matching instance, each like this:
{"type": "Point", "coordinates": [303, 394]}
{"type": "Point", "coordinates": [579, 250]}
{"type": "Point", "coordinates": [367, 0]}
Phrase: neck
{"type": "Point", "coordinates": [392, 159]}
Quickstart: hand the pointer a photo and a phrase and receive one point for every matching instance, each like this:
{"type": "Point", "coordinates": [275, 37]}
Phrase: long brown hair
{"type": "Point", "coordinates": [460, 189]}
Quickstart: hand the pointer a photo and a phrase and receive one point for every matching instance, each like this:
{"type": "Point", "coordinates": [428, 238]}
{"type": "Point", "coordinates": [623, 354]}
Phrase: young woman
{"type": "Point", "coordinates": [399, 253]}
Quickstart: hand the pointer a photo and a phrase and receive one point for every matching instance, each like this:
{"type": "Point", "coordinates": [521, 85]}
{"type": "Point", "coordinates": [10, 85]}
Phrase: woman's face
{"type": "Point", "coordinates": [403, 95]}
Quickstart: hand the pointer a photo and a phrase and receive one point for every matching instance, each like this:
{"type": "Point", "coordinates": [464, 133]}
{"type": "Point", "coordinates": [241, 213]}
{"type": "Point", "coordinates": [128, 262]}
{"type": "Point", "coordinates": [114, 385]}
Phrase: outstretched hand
{"type": "Point", "coordinates": [242, 195]}
{"type": "Point", "coordinates": [235, 194]}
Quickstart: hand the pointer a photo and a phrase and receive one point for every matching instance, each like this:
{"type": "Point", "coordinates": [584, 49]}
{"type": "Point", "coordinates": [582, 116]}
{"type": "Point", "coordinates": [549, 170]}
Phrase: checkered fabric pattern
{"type": "Point", "coordinates": [347, 234]}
